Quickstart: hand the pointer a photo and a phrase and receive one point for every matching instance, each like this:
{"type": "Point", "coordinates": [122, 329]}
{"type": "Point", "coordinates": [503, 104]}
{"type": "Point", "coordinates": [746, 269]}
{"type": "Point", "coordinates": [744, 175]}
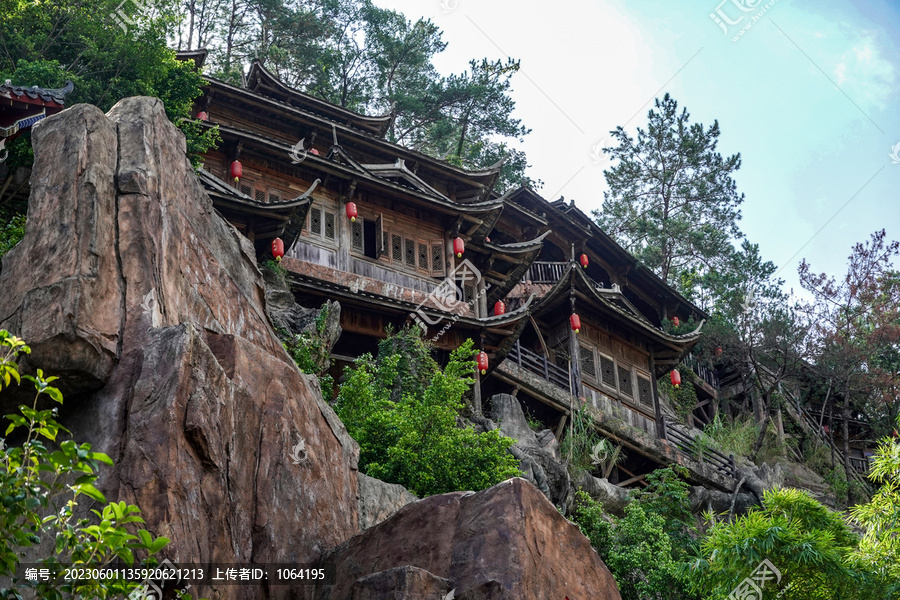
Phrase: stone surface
{"type": "Point", "coordinates": [153, 308]}
{"type": "Point", "coordinates": [613, 497]}
{"type": "Point", "coordinates": [541, 465]}
{"type": "Point", "coordinates": [379, 500]}
{"type": "Point", "coordinates": [402, 583]}
{"type": "Point", "coordinates": [505, 542]}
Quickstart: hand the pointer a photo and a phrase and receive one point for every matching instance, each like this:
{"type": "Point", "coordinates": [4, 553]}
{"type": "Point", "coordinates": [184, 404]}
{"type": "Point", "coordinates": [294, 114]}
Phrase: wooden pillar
{"type": "Point", "coordinates": [574, 352]}
{"type": "Point", "coordinates": [476, 393]}
{"type": "Point", "coordinates": [660, 422]}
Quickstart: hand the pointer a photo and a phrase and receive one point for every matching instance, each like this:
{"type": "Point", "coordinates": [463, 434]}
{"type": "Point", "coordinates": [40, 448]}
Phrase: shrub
{"type": "Point", "coordinates": [579, 441]}
{"type": "Point", "coordinates": [11, 233]}
{"type": "Point", "coordinates": [402, 409]}
{"type": "Point", "coordinates": [40, 489]}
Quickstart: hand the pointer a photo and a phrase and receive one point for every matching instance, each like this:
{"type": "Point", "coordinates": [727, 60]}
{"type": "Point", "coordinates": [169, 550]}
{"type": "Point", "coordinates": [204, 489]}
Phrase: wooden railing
{"type": "Point", "coordinates": [545, 272]}
{"type": "Point", "coordinates": [540, 366]}
{"type": "Point", "coordinates": [683, 440]}
{"type": "Point", "coordinates": [703, 372]}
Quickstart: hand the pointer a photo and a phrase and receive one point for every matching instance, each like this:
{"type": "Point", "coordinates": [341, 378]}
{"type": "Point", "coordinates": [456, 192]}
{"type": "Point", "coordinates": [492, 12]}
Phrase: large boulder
{"type": "Point", "coordinates": [538, 454]}
{"type": "Point", "coordinates": [506, 542]}
{"type": "Point", "coordinates": [379, 500]}
{"type": "Point", "coordinates": [153, 309]}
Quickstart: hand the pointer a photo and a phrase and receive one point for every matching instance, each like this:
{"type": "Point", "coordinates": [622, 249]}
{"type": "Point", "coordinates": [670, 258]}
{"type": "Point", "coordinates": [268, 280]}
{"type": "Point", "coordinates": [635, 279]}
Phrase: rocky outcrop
{"type": "Point", "coordinates": [153, 309]}
{"type": "Point", "coordinates": [506, 542]}
{"type": "Point", "coordinates": [379, 500]}
{"type": "Point", "coordinates": [538, 455]}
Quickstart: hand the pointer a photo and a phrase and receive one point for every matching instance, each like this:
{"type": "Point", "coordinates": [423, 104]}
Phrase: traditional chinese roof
{"type": "Point", "coordinates": [21, 107]}
{"type": "Point", "coordinates": [612, 302]}
{"type": "Point", "coordinates": [55, 97]}
{"type": "Point", "coordinates": [260, 80]}
{"type": "Point", "coordinates": [283, 219]}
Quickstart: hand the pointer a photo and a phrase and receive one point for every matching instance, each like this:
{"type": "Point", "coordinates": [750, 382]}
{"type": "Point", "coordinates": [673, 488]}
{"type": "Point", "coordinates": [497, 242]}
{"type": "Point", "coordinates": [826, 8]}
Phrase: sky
{"type": "Point", "coordinates": [805, 90]}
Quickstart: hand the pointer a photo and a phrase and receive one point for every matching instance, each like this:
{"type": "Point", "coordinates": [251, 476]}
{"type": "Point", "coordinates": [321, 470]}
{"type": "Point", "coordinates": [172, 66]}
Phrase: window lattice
{"type": "Point", "coordinates": [410, 252]}
{"type": "Point", "coordinates": [396, 248]}
{"type": "Point", "coordinates": [274, 198]}
{"type": "Point", "coordinates": [260, 195]}
{"type": "Point", "coordinates": [315, 221]}
{"type": "Point", "coordinates": [423, 256]}
{"type": "Point", "coordinates": [625, 384]}
{"type": "Point", "coordinates": [608, 371]}
{"type": "Point", "coordinates": [357, 235]}
{"type": "Point", "coordinates": [437, 258]}
{"type": "Point", "coordinates": [469, 292]}
{"type": "Point", "coordinates": [329, 225]}
{"type": "Point", "coordinates": [645, 391]}
{"type": "Point", "coordinates": [588, 366]}
{"type": "Point", "coordinates": [246, 189]}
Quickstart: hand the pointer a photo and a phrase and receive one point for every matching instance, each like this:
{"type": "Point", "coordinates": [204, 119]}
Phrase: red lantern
{"type": "Point", "coordinates": [203, 116]}
{"type": "Point", "coordinates": [676, 377]}
{"type": "Point", "coordinates": [487, 239]}
{"type": "Point", "coordinates": [277, 249]}
{"type": "Point", "coordinates": [352, 213]}
{"type": "Point", "coordinates": [483, 362]}
{"type": "Point", "coordinates": [676, 321]}
{"type": "Point", "coordinates": [236, 170]}
{"type": "Point", "coordinates": [575, 321]}
{"type": "Point", "coordinates": [718, 352]}
{"type": "Point", "coordinates": [459, 246]}
{"type": "Point", "coordinates": [314, 151]}
{"type": "Point", "coordinates": [584, 261]}
{"type": "Point", "coordinates": [499, 308]}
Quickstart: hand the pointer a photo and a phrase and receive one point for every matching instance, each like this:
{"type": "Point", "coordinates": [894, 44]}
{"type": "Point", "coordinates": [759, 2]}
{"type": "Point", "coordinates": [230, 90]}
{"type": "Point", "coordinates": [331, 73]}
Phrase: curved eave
{"type": "Point", "coordinates": [51, 98]}
{"type": "Point", "coordinates": [376, 144]}
{"type": "Point", "coordinates": [586, 288]}
{"type": "Point", "coordinates": [523, 259]}
{"type": "Point", "coordinates": [323, 164]}
{"type": "Point", "coordinates": [517, 247]}
{"type": "Point", "coordinates": [260, 76]}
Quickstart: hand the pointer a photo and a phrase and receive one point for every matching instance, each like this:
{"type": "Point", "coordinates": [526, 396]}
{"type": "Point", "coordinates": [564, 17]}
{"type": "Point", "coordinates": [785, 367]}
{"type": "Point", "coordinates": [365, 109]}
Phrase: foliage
{"type": "Point", "coordinates": [11, 233]}
{"type": "Point", "coordinates": [879, 548]}
{"type": "Point", "coordinates": [310, 350]}
{"type": "Point", "coordinates": [667, 495]}
{"type": "Point", "coordinates": [803, 539]}
{"type": "Point", "coordinates": [580, 439]}
{"type": "Point", "coordinates": [47, 43]}
{"type": "Point", "coordinates": [672, 201]}
{"type": "Point", "coordinates": [40, 489]}
{"type": "Point", "coordinates": [684, 397]}
{"type": "Point", "coordinates": [636, 548]}
{"type": "Point", "coordinates": [402, 409]}
{"type": "Point", "coordinates": [731, 437]}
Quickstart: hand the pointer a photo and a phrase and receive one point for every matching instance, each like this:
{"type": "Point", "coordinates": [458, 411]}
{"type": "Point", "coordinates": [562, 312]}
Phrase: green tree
{"type": "Point", "coordinates": [807, 543]}
{"type": "Point", "coordinates": [879, 548]}
{"type": "Point", "coordinates": [40, 490]}
{"type": "Point", "coordinates": [403, 408]}
{"type": "Point", "coordinates": [672, 201]}
{"type": "Point", "coordinates": [48, 43]}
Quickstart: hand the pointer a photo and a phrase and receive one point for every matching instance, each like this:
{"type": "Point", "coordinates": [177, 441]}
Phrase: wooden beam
{"type": "Point", "coordinates": [635, 479]}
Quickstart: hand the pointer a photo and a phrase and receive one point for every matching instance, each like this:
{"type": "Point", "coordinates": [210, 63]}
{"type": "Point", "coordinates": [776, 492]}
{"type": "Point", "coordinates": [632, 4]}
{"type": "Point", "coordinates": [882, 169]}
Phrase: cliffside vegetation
{"type": "Point", "coordinates": [402, 408]}
{"type": "Point", "coordinates": [43, 480]}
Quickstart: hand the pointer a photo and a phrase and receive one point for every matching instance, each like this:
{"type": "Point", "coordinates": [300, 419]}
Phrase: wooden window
{"type": "Point", "coordinates": [370, 237]}
{"type": "Point", "coordinates": [437, 259]}
{"type": "Point", "coordinates": [588, 365]}
{"type": "Point", "coordinates": [273, 198]}
{"type": "Point", "coordinates": [329, 225]}
{"type": "Point", "coordinates": [356, 235]}
{"type": "Point", "coordinates": [423, 255]}
{"type": "Point", "coordinates": [260, 195]}
{"type": "Point", "coordinates": [315, 221]}
{"type": "Point", "coordinates": [626, 386]}
{"type": "Point", "coordinates": [246, 189]}
{"type": "Point", "coordinates": [409, 247]}
{"type": "Point", "coordinates": [608, 371]}
{"type": "Point", "coordinates": [645, 391]}
{"type": "Point", "coordinates": [396, 248]}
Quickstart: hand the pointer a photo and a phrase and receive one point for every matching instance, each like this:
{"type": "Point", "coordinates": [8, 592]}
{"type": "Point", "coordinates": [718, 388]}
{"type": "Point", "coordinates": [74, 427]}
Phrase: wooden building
{"type": "Point", "coordinates": [399, 237]}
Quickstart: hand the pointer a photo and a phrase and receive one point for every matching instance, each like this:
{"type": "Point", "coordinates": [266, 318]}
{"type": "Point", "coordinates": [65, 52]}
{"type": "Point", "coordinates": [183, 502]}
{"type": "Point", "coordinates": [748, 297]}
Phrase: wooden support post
{"type": "Point", "coordinates": [574, 352]}
{"type": "Point", "coordinates": [660, 422]}
{"type": "Point", "coordinates": [476, 392]}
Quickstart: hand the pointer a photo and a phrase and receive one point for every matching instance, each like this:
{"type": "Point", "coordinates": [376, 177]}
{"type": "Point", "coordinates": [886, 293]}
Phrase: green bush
{"type": "Point", "coordinates": [310, 351]}
{"type": "Point", "coordinates": [579, 441]}
{"type": "Point", "coordinates": [40, 488]}
{"type": "Point", "coordinates": [402, 409]}
{"type": "Point", "coordinates": [11, 233]}
{"type": "Point", "coordinates": [730, 437]}
{"type": "Point", "coordinates": [683, 398]}
{"type": "Point", "coordinates": [636, 548]}
{"type": "Point", "coordinates": [809, 544]}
